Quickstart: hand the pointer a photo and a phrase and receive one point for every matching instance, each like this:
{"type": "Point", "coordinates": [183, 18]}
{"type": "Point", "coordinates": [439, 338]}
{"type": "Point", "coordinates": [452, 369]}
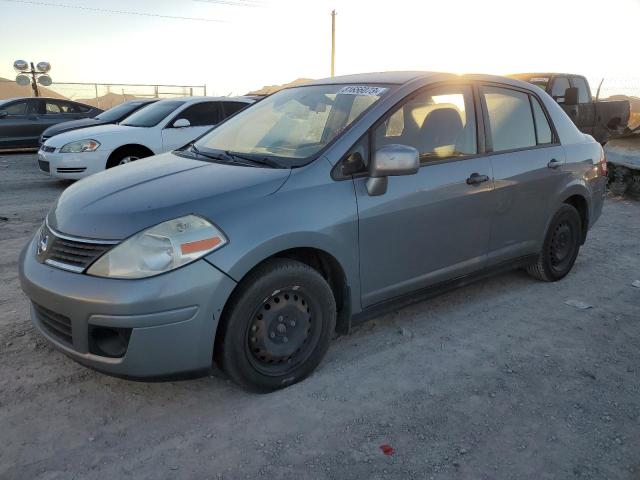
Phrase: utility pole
{"type": "Point", "coordinates": [333, 41]}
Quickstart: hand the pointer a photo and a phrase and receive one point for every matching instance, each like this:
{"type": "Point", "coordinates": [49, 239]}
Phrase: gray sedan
{"type": "Point", "coordinates": [22, 120]}
{"type": "Point", "coordinates": [320, 206]}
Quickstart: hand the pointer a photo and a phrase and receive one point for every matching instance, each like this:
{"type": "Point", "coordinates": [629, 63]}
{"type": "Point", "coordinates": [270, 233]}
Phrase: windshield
{"type": "Point", "coordinates": [294, 123]}
{"type": "Point", "coordinates": [117, 112]}
{"type": "Point", "coordinates": [151, 115]}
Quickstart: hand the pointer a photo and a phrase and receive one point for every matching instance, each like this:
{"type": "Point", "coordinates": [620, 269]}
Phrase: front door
{"type": "Point", "coordinates": [432, 226]}
{"type": "Point", "coordinates": [201, 117]}
{"type": "Point", "coordinates": [19, 126]}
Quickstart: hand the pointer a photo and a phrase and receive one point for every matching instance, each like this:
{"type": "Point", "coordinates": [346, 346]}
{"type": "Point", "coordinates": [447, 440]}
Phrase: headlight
{"type": "Point", "coordinates": [80, 146]}
{"type": "Point", "coordinates": [160, 249]}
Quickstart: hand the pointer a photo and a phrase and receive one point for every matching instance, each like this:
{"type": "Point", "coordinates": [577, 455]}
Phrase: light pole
{"type": "Point", "coordinates": [28, 74]}
{"type": "Point", "coordinates": [333, 41]}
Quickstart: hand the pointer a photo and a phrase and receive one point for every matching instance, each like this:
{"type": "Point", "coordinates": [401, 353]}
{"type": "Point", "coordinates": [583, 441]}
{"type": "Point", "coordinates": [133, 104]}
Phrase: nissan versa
{"type": "Point", "coordinates": [319, 206]}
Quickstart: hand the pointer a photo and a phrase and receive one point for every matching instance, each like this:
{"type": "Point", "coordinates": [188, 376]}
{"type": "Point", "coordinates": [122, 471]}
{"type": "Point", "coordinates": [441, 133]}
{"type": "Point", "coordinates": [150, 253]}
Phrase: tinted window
{"type": "Point", "coordinates": [52, 108]}
{"type": "Point", "coordinates": [18, 108]}
{"type": "Point", "coordinates": [118, 112]}
{"type": "Point", "coordinates": [201, 114]}
{"type": "Point", "coordinates": [439, 123]}
{"type": "Point", "coordinates": [559, 87]}
{"type": "Point", "coordinates": [543, 130]}
{"type": "Point", "coordinates": [232, 107]}
{"type": "Point", "coordinates": [510, 119]}
{"type": "Point", "coordinates": [153, 114]}
{"type": "Point", "coordinates": [583, 90]}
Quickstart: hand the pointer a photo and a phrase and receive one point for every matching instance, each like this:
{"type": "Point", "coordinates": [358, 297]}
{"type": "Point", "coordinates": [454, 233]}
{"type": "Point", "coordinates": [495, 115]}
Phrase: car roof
{"type": "Point", "coordinates": [189, 100]}
{"type": "Point", "coordinates": [404, 77]}
{"type": "Point", "coordinates": [543, 74]}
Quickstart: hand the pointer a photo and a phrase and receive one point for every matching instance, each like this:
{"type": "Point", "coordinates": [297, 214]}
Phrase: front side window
{"type": "Point", "coordinates": [510, 118]}
{"type": "Point", "coordinates": [439, 123]}
{"type": "Point", "coordinates": [17, 108]}
{"type": "Point", "coordinates": [201, 114]}
{"type": "Point", "coordinates": [153, 114]}
{"type": "Point", "coordinates": [232, 107]}
{"type": "Point", "coordinates": [293, 124]}
{"type": "Point", "coordinates": [559, 87]}
{"type": "Point", "coordinates": [583, 90]}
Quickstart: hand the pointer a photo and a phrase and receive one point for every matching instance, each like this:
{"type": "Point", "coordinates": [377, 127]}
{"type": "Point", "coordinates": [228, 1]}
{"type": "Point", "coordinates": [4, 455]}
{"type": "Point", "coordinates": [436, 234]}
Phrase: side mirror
{"type": "Point", "coordinates": [391, 161]}
{"type": "Point", "coordinates": [181, 123]}
{"type": "Point", "coordinates": [571, 96]}
{"type": "Point", "coordinates": [3, 113]}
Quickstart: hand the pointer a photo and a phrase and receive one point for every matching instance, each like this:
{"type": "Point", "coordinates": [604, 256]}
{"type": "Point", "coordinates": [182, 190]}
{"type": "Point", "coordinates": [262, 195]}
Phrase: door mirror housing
{"type": "Point", "coordinates": [391, 161]}
{"type": "Point", "coordinates": [181, 123]}
{"type": "Point", "coordinates": [571, 96]}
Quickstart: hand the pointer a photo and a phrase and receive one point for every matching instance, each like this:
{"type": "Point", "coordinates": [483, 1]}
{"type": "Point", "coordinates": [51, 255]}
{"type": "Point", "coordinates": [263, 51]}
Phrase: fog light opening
{"type": "Point", "coordinates": [109, 342]}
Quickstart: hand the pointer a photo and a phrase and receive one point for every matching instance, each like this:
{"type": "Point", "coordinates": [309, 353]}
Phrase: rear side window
{"type": "Point", "coordinates": [510, 119]}
{"type": "Point", "coordinates": [543, 130]}
{"type": "Point", "coordinates": [439, 123]}
{"type": "Point", "coordinates": [559, 87]}
{"type": "Point", "coordinates": [583, 90]}
{"type": "Point", "coordinates": [232, 107]}
{"type": "Point", "coordinates": [202, 114]}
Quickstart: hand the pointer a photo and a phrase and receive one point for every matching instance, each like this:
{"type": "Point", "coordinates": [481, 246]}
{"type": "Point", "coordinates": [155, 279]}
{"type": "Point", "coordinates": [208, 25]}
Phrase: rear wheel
{"type": "Point", "coordinates": [561, 246]}
{"type": "Point", "coordinates": [277, 327]}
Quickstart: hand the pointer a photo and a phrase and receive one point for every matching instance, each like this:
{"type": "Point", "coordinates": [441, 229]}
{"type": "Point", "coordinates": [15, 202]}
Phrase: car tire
{"type": "Point", "coordinates": [277, 326]}
{"type": "Point", "coordinates": [561, 246]}
{"type": "Point", "coordinates": [125, 156]}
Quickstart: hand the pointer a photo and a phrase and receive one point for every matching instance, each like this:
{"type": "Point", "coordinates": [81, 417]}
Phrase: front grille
{"type": "Point", "coordinates": [71, 170]}
{"type": "Point", "coordinates": [57, 325]}
{"type": "Point", "coordinates": [48, 149]}
{"type": "Point", "coordinates": [44, 166]}
{"type": "Point", "coordinates": [69, 253]}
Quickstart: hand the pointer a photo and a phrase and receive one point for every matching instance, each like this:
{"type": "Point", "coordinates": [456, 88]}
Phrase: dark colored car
{"type": "Point", "coordinates": [22, 120]}
{"type": "Point", "coordinates": [111, 116]}
{"type": "Point", "coordinates": [601, 119]}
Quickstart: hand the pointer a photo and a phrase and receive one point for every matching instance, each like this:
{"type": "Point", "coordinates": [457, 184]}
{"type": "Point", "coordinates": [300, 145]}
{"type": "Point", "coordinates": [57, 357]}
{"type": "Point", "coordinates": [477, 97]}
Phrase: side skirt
{"type": "Point", "coordinates": [433, 290]}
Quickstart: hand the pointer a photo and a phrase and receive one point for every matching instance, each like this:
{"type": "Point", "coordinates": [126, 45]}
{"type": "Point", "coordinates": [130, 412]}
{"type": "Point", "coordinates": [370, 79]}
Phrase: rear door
{"type": "Point", "coordinates": [432, 226]}
{"type": "Point", "coordinates": [19, 128]}
{"type": "Point", "coordinates": [527, 162]}
{"type": "Point", "coordinates": [201, 116]}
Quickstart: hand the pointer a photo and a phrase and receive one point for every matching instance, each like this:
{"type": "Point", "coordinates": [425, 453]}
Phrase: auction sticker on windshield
{"type": "Point", "coordinates": [363, 90]}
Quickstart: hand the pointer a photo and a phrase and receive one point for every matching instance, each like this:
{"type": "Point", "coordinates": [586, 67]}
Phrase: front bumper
{"type": "Point", "coordinates": [172, 318]}
{"type": "Point", "coordinates": [72, 165]}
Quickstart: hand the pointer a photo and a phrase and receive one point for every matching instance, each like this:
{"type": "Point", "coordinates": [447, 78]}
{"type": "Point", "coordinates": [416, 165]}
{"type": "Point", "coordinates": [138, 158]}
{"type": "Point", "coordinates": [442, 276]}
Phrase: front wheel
{"type": "Point", "coordinates": [277, 327]}
{"type": "Point", "coordinates": [561, 246]}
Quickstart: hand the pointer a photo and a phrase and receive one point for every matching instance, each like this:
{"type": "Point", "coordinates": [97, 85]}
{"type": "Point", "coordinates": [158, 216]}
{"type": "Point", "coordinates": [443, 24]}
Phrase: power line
{"type": "Point", "coordinates": [235, 3]}
{"type": "Point", "coordinates": [104, 10]}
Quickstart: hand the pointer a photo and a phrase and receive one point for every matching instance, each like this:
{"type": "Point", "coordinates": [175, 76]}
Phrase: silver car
{"type": "Point", "coordinates": [315, 208]}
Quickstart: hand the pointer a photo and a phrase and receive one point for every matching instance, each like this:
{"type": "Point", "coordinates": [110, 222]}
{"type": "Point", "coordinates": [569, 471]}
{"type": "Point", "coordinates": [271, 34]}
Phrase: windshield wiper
{"type": "Point", "coordinates": [266, 161]}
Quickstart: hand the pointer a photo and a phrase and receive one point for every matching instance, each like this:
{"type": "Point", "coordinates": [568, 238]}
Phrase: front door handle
{"type": "Point", "coordinates": [553, 163]}
{"type": "Point", "coordinates": [476, 179]}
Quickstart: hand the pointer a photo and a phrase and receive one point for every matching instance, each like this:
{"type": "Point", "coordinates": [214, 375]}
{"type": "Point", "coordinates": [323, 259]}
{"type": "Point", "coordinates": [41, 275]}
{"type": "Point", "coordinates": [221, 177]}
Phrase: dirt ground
{"type": "Point", "coordinates": [498, 380]}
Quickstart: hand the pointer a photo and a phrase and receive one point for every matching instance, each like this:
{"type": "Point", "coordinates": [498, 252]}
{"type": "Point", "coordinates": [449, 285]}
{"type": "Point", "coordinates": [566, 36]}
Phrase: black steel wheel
{"type": "Point", "coordinates": [561, 246]}
{"type": "Point", "coordinates": [277, 327]}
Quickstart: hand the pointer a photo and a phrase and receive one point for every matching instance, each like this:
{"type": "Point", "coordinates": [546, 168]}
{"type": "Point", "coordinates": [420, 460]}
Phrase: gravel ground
{"type": "Point", "coordinates": [497, 380]}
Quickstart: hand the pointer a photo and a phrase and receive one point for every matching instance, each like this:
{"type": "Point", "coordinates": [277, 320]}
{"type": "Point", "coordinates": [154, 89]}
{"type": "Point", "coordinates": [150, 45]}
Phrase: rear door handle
{"type": "Point", "coordinates": [476, 179]}
{"type": "Point", "coordinates": [553, 163]}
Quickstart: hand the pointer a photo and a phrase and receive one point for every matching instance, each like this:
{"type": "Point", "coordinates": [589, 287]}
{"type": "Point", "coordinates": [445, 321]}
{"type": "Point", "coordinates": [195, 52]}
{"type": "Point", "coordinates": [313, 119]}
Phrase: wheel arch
{"type": "Point", "coordinates": [579, 202]}
{"type": "Point", "coordinates": [321, 260]}
{"type": "Point", "coordinates": [133, 147]}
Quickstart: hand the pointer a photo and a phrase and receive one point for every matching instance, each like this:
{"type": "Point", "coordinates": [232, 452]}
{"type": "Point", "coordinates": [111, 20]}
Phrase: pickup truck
{"type": "Point", "coordinates": [601, 119]}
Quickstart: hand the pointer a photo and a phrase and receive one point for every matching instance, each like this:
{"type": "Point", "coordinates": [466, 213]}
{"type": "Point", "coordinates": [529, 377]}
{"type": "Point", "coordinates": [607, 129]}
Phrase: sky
{"type": "Point", "coordinates": [234, 46]}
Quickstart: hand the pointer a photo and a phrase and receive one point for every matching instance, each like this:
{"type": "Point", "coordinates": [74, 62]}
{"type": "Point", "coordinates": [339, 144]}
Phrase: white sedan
{"type": "Point", "coordinates": [160, 127]}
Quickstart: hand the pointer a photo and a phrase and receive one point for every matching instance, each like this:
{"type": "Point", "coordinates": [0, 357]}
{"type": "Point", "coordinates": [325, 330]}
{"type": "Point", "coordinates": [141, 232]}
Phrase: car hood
{"type": "Point", "coordinates": [102, 133]}
{"type": "Point", "coordinates": [71, 125]}
{"type": "Point", "coordinates": [116, 203]}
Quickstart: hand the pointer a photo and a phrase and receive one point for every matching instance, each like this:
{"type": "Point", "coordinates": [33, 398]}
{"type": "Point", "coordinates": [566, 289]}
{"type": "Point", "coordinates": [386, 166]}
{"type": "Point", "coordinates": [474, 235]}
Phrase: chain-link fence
{"type": "Point", "coordinates": [101, 95]}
